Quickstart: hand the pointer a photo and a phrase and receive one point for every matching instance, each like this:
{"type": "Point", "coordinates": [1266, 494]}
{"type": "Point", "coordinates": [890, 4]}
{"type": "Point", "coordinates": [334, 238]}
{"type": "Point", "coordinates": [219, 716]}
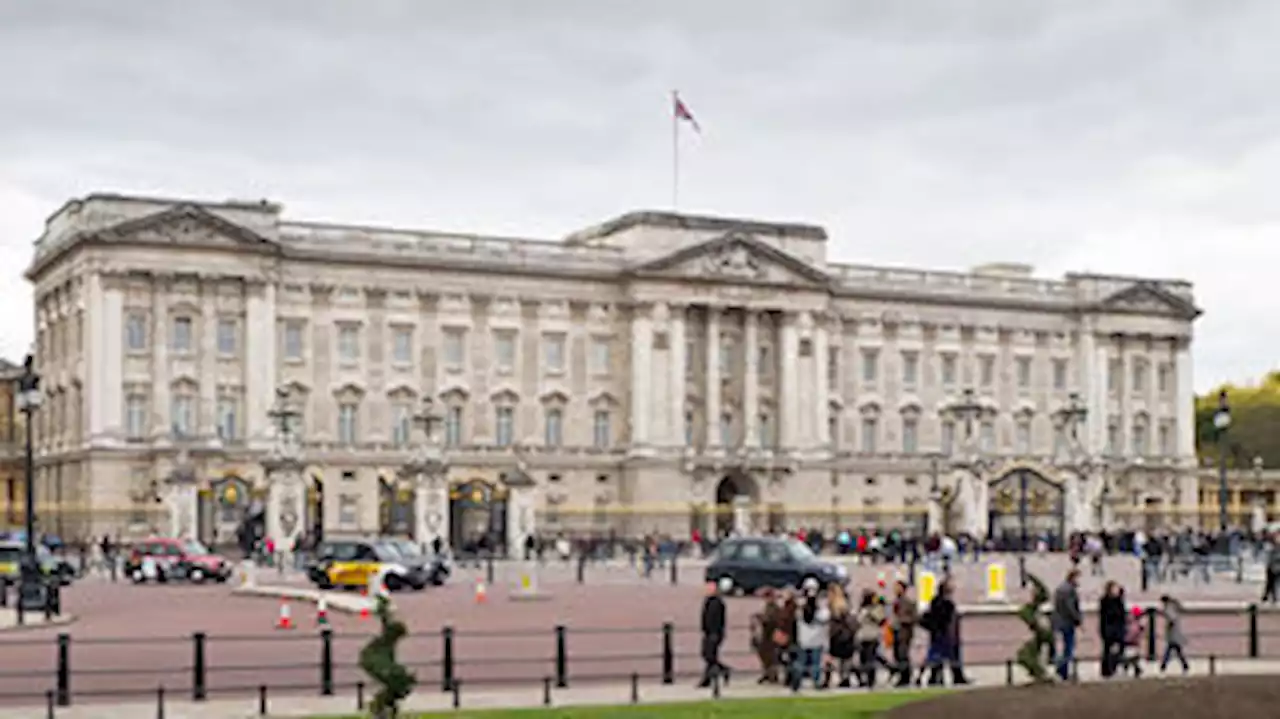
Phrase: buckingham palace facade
{"type": "Point", "coordinates": [657, 371]}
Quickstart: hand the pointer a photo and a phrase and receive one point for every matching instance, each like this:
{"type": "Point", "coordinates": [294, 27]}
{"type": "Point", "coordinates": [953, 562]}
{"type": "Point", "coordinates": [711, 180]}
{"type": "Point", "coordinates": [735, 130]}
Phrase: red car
{"type": "Point", "coordinates": [164, 559]}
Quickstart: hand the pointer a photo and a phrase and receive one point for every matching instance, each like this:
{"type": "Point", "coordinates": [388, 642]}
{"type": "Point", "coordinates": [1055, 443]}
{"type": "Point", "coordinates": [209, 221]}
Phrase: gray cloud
{"type": "Point", "coordinates": [1083, 134]}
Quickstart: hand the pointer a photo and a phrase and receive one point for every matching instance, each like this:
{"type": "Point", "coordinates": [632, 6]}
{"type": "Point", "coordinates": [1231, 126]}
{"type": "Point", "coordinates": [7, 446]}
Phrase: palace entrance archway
{"type": "Point", "coordinates": [477, 517]}
{"type": "Point", "coordinates": [728, 490]}
{"type": "Point", "coordinates": [1026, 506]}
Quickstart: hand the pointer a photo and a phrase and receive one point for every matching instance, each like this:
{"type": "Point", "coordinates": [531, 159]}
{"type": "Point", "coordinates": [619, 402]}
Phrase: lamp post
{"type": "Point", "coordinates": [1222, 422]}
{"type": "Point", "coordinates": [424, 468]}
{"type": "Point", "coordinates": [31, 587]}
{"type": "Point", "coordinates": [285, 458]}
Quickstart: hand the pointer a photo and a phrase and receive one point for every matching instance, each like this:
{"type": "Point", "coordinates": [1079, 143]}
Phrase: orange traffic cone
{"type": "Point", "coordinates": [481, 595]}
{"type": "Point", "coordinates": [285, 621]}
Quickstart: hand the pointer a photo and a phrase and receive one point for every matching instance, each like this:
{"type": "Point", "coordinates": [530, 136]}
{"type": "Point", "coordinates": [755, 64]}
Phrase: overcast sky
{"type": "Point", "coordinates": [1126, 137]}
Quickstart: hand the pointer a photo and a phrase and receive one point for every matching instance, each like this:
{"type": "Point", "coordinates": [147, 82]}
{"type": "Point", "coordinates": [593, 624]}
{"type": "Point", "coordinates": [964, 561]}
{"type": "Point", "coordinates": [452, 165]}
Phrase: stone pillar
{"type": "Point", "coordinates": [183, 503]}
{"type": "Point", "coordinates": [821, 390]}
{"type": "Point", "coordinates": [742, 516]}
{"type": "Point", "coordinates": [1185, 406]}
{"type": "Point", "coordinates": [207, 346]}
{"type": "Point", "coordinates": [520, 520]}
{"type": "Point", "coordinates": [712, 375]}
{"type": "Point", "coordinates": [431, 509]}
{"type": "Point", "coordinates": [160, 421]}
{"type": "Point", "coordinates": [751, 380]}
{"type": "Point", "coordinates": [286, 506]}
{"type": "Point", "coordinates": [641, 375]}
{"type": "Point", "coordinates": [676, 367]}
{"type": "Point", "coordinates": [788, 385]}
{"type": "Point", "coordinates": [260, 374]}
{"type": "Point", "coordinates": [1093, 392]}
{"type": "Point", "coordinates": [112, 391]}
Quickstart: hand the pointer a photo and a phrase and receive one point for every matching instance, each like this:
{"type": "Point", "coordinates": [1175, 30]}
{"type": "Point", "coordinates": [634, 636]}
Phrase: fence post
{"type": "Point", "coordinates": [488, 569]}
{"type": "Point", "coordinates": [582, 567]}
{"type": "Point", "coordinates": [446, 659]}
{"type": "Point", "coordinates": [1151, 634]}
{"type": "Point", "coordinates": [160, 702]}
{"type": "Point", "coordinates": [1253, 631]}
{"type": "Point", "coordinates": [262, 700]}
{"type": "Point", "coordinates": [675, 572]}
{"type": "Point", "coordinates": [326, 662]}
{"type": "Point", "coordinates": [64, 670]}
{"type": "Point", "coordinates": [1008, 672]}
{"type": "Point", "coordinates": [1144, 571]}
{"type": "Point", "coordinates": [668, 653]}
{"type": "Point", "coordinates": [562, 659]}
{"type": "Point", "coordinates": [198, 688]}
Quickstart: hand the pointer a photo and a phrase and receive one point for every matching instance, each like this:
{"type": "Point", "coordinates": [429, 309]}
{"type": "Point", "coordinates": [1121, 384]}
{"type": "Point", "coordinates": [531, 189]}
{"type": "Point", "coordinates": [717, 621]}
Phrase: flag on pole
{"type": "Point", "coordinates": [682, 113]}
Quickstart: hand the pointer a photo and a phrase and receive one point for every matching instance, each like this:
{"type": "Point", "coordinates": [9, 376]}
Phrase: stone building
{"type": "Point", "coordinates": [648, 372]}
{"type": "Point", "coordinates": [12, 457]}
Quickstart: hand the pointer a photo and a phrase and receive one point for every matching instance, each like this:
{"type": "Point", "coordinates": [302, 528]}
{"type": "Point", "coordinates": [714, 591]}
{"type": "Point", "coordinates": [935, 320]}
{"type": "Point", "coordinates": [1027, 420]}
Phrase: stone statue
{"type": "Point", "coordinates": [1031, 656]}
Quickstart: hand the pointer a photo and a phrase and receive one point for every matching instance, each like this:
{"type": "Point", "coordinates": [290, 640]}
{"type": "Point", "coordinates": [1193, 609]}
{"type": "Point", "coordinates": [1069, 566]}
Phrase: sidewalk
{"type": "Point", "coordinates": [297, 707]}
{"type": "Point", "coordinates": [31, 620]}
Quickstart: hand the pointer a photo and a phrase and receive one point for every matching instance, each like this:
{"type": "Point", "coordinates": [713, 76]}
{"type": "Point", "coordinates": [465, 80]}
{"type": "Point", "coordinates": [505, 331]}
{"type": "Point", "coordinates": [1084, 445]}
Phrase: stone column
{"type": "Point", "coordinates": [821, 390]}
{"type": "Point", "coordinates": [95, 349]}
{"type": "Point", "coordinates": [712, 376]}
{"type": "Point", "coordinates": [676, 367]}
{"type": "Point", "coordinates": [641, 375]}
{"type": "Point", "coordinates": [1185, 406]}
{"type": "Point", "coordinates": [160, 420]}
{"type": "Point", "coordinates": [286, 506]}
{"type": "Point", "coordinates": [112, 390]}
{"type": "Point", "coordinates": [207, 346]}
{"type": "Point", "coordinates": [182, 504]}
{"type": "Point", "coordinates": [788, 385]}
{"type": "Point", "coordinates": [751, 380]}
{"type": "Point", "coordinates": [431, 508]}
{"type": "Point", "coordinates": [742, 516]}
{"type": "Point", "coordinates": [260, 370]}
{"type": "Point", "coordinates": [520, 520]}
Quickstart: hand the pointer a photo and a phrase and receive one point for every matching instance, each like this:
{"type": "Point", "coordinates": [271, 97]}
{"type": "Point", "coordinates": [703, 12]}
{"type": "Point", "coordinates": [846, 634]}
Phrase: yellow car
{"type": "Point", "coordinates": [356, 563]}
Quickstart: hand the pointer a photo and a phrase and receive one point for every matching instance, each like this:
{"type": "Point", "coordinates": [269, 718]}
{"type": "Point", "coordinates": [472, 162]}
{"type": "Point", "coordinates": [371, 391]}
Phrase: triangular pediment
{"type": "Point", "coordinates": [735, 257]}
{"type": "Point", "coordinates": [188, 225]}
{"type": "Point", "coordinates": [1149, 298]}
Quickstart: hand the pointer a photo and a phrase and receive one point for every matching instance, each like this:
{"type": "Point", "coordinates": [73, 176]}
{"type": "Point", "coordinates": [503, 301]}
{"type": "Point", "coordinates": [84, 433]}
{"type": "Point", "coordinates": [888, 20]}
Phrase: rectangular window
{"type": "Point", "coordinates": [1166, 440]}
{"type": "Point", "coordinates": [293, 345]}
{"type": "Point", "coordinates": [504, 350]}
{"type": "Point", "coordinates": [1115, 375]}
{"type": "Point", "coordinates": [833, 429]}
{"type": "Point", "coordinates": [910, 435]}
{"type": "Point", "coordinates": [453, 427]}
{"type": "Point", "coordinates": [228, 427]}
{"type": "Point", "coordinates": [182, 331]}
{"type": "Point", "coordinates": [910, 369]}
{"type": "Point", "coordinates": [1023, 437]}
{"type": "Point", "coordinates": [1059, 374]}
{"type": "Point", "coordinates": [764, 362]}
{"type": "Point", "coordinates": [870, 365]}
{"type": "Point", "coordinates": [135, 418]}
{"type": "Point", "coordinates": [1139, 376]}
{"type": "Point", "coordinates": [1024, 372]}
{"type": "Point", "coordinates": [726, 357]}
{"type": "Point", "coordinates": [833, 368]}
{"type": "Point", "coordinates": [505, 429]}
{"type": "Point", "coordinates": [455, 353]}
{"type": "Point", "coordinates": [402, 345]}
{"type": "Point", "coordinates": [135, 332]}
{"type": "Point", "coordinates": [948, 370]}
{"type": "Point", "coordinates": [348, 510]}
{"type": "Point", "coordinates": [1113, 437]}
{"type": "Point", "coordinates": [227, 337]}
{"type": "Point", "coordinates": [602, 356]}
{"type": "Point", "coordinates": [1141, 441]}
{"type": "Point", "coordinates": [688, 429]}
{"type": "Point", "coordinates": [726, 430]}
{"type": "Point", "coordinates": [987, 437]}
{"type": "Point", "coordinates": [948, 437]}
{"type": "Point", "coordinates": [401, 424]}
{"type": "Point", "coordinates": [183, 415]}
{"type": "Point", "coordinates": [601, 429]}
{"type": "Point", "coordinates": [1163, 374]}
{"type": "Point", "coordinates": [348, 343]}
{"type": "Point", "coordinates": [986, 371]}
{"type": "Point", "coordinates": [869, 430]}
{"type": "Point", "coordinates": [554, 429]}
{"type": "Point", "coordinates": [1060, 446]}
{"type": "Point", "coordinates": [690, 355]}
{"type": "Point", "coordinates": [553, 352]}
{"type": "Point", "coordinates": [347, 423]}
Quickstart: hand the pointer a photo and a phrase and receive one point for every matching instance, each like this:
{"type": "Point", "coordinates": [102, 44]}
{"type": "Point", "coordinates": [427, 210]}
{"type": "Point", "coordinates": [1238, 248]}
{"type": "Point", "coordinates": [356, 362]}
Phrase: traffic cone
{"type": "Point", "coordinates": [285, 621]}
{"type": "Point", "coordinates": [322, 612]}
{"type": "Point", "coordinates": [481, 595]}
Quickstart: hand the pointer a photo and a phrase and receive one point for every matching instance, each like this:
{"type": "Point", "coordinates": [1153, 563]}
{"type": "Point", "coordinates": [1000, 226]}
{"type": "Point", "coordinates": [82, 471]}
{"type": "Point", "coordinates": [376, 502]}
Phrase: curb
{"type": "Point", "coordinates": [336, 601]}
{"type": "Point", "coordinates": [58, 621]}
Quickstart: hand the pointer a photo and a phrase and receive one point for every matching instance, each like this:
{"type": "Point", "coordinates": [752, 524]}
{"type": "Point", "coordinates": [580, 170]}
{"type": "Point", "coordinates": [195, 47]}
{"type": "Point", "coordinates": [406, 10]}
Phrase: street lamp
{"type": "Point", "coordinates": [284, 414]}
{"type": "Point", "coordinates": [31, 589]}
{"type": "Point", "coordinates": [1222, 422]}
{"type": "Point", "coordinates": [425, 467]}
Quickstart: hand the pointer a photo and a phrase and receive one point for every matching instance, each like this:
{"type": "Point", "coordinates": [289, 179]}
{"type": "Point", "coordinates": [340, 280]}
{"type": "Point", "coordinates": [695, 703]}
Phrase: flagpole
{"type": "Point", "coordinates": [675, 152]}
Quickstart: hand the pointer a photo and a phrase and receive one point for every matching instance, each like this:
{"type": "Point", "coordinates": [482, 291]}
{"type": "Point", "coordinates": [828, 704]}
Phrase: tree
{"type": "Point", "coordinates": [378, 660]}
{"type": "Point", "coordinates": [1255, 423]}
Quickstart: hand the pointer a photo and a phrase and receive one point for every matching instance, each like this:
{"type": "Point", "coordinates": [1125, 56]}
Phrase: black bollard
{"type": "Point", "coordinates": [1022, 570]}
{"type": "Point", "coordinates": [262, 700]}
{"type": "Point", "coordinates": [488, 569]}
{"type": "Point", "coordinates": [1213, 665]}
{"type": "Point", "coordinates": [582, 568]}
{"type": "Point", "coordinates": [635, 688]}
{"type": "Point", "coordinates": [911, 572]}
{"type": "Point", "coordinates": [160, 702]}
{"type": "Point", "coordinates": [1008, 673]}
{"type": "Point", "coordinates": [49, 704]}
{"type": "Point", "coordinates": [359, 696]}
{"type": "Point", "coordinates": [457, 693]}
{"type": "Point", "coordinates": [1143, 566]}
{"type": "Point", "coordinates": [675, 573]}
{"type": "Point", "coordinates": [546, 691]}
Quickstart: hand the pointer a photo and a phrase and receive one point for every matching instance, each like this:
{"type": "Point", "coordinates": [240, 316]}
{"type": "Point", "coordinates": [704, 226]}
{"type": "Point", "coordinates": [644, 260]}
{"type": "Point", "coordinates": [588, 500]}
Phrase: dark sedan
{"type": "Point", "coordinates": [752, 563]}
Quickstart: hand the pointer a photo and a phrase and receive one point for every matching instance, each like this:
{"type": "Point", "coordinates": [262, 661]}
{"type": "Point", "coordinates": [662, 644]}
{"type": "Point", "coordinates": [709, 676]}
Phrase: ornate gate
{"type": "Point", "coordinates": [221, 511]}
{"type": "Point", "coordinates": [395, 509]}
{"type": "Point", "coordinates": [1026, 506]}
{"type": "Point", "coordinates": [478, 517]}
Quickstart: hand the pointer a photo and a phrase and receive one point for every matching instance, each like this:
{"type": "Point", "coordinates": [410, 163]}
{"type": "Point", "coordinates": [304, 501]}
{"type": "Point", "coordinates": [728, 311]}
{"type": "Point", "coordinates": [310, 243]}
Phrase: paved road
{"type": "Point", "coordinates": [131, 639]}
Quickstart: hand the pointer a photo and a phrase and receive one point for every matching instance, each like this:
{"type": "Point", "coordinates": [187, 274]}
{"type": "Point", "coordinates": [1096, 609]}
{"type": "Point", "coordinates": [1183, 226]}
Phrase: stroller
{"type": "Point", "coordinates": [1131, 654]}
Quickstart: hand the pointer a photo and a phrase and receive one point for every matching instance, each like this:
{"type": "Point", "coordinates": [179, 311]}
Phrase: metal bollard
{"type": "Point", "coordinates": [1213, 665]}
{"type": "Point", "coordinates": [262, 700]}
{"type": "Point", "coordinates": [160, 702]}
{"type": "Point", "coordinates": [635, 688]}
{"type": "Point", "coordinates": [546, 691]}
{"type": "Point", "coordinates": [49, 705]}
{"type": "Point", "coordinates": [1008, 672]}
{"type": "Point", "coordinates": [359, 696]}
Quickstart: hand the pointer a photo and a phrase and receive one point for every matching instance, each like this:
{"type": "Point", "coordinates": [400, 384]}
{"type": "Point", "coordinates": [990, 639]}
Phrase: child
{"type": "Point", "coordinates": [1131, 657]}
{"type": "Point", "coordinates": [1175, 641]}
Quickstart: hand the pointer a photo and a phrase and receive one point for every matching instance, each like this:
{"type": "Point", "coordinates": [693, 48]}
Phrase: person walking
{"type": "Point", "coordinates": [1271, 578]}
{"type": "Point", "coordinates": [811, 638]}
{"type": "Point", "coordinates": [871, 622]}
{"type": "Point", "coordinates": [1065, 620]}
{"type": "Point", "coordinates": [713, 628]}
{"type": "Point", "coordinates": [764, 636]}
{"type": "Point", "coordinates": [1175, 640]}
{"type": "Point", "coordinates": [843, 633]}
{"type": "Point", "coordinates": [940, 621]}
{"type": "Point", "coordinates": [1111, 627]}
{"type": "Point", "coordinates": [903, 620]}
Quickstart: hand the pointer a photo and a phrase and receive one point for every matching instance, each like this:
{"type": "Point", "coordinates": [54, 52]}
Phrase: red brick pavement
{"type": "Point", "coordinates": [129, 640]}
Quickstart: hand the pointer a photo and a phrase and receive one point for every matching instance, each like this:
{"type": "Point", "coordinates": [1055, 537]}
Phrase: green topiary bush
{"type": "Point", "coordinates": [378, 660]}
{"type": "Point", "coordinates": [1032, 654]}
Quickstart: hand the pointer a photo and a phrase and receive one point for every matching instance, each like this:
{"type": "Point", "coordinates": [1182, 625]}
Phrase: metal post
{"type": "Point", "coordinates": [675, 573]}
{"type": "Point", "coordinates": [1222, 421]}
{"type": "Point", "coordinates": [1253, 631]}
{"type": "Point", "coordinates": [160, 702]}
{"type": "Point", "coordinates": [446, 660]}
{"type": "Point", "coordinates": [1151, 635]}
{"type": "Point", "coordinates": [326, 662]}
{"type": "Point", "coordinates": [262, 700]}
{"type": "Point", "coordinates": [64, 670]}
{"type": "Point", "coordinates": [29, 400]}
{"type": "Point", "coordinates": [562, 659]}
{"type": "Point", "coordinates": [668, 653]}
{"type": "Point", "coordinates": [1022, 510]}
{"type": "Point", "coordinates": [198, 687]}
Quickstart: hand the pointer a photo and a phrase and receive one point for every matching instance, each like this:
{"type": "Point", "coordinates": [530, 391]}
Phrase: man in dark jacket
{"type": "Point", "coordinates": [1065, 620]}
{"type": "Point", "coordinates": [903, 621]}
{"type": "Point", "coordinates": [713, 629]}
{"type": "Point", "coordinates": [1271, 579]}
